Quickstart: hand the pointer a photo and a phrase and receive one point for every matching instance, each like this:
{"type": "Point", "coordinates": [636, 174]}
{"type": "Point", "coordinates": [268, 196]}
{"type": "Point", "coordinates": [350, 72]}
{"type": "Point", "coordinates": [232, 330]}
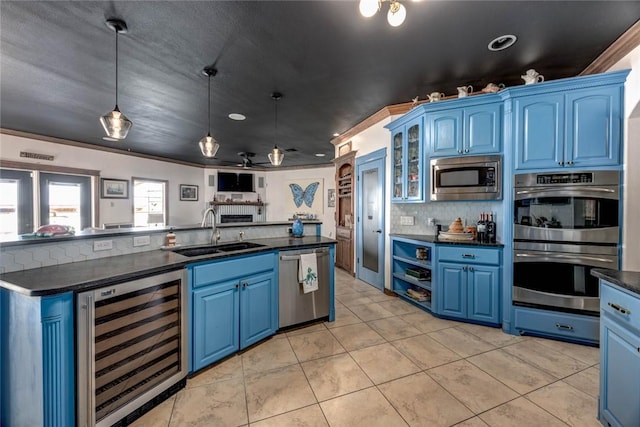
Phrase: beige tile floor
{"type": "Point", "coordinates": [386, 363]}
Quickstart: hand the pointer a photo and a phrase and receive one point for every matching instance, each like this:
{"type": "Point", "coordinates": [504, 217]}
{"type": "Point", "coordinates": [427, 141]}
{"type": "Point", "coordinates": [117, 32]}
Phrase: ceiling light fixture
{"type": "Point", "coordinates": [396, 15]}
{"type": "Point", "coordinates": [237, 117]}
{"type": "Point", "coordinates": [208, 145]}
{"type": "Point", "coordinates": [502, 42]}
{"type": "Point", "coordinates": [116, 124]}
{"type": "Point", "coordinates": [276, 156]}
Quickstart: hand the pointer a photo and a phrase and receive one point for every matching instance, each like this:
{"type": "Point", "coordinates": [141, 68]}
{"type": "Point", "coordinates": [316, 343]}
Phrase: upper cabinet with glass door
{"type": "Point", "coordinates": [407, 142]}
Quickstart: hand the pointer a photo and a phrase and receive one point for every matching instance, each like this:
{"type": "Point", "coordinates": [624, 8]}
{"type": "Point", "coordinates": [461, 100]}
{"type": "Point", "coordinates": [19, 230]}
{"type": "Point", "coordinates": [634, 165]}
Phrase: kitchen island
{"type": "Point", "coordinates": [619, 403]}
{"type": "Point", "coordinates": [38, 316]}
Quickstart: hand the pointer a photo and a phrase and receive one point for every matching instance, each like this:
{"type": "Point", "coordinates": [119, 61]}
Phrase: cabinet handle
{"type": "Point", "coordinates": [464, 268]}
{"type": "Point", "coordinates": [561, 163]}
{"type": "Point", "coordinates": [564, 327]}
{"type": "Point", "coordinates": [460, 151]}
{"type": "Point", "coordinates": [619, 308]}
{"type": "Point", "coordinates": [470, 268]}
{"type": "Point", "coordinates": [237, 285]}
{"type": "Point", "coordinates": [472, 256]}
{"type": "Point", "coordinates": [466, 150]}
{"type": "Point", "coordinates": [570, 162]}
{"type": "Point", "coordinates": [245, 284]}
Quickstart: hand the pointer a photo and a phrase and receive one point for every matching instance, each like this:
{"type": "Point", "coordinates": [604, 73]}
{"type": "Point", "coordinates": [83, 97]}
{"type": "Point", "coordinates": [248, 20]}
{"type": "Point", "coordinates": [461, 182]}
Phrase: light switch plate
{"type": "Point", "coordinates": [407, 220]}
{"type": "Point", "coordinates": [141, 240]}
{"type": "Point", "coordinates": [102, 245]}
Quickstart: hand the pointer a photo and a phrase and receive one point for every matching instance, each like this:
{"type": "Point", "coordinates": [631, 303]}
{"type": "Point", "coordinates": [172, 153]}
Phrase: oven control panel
{"type": "Point", "coordinates": [565, 178]}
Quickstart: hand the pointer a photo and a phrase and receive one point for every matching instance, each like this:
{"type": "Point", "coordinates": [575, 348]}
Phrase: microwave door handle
{"type": "Point", "coordinates": [563, 256]}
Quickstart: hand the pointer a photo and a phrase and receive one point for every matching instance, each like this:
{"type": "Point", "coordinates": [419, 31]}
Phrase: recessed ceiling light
{"type": "Point", "coordinates": [336, 134]}
{"type": "Point", "coordinates": [108, 138]}
{"type": "Point", "coordinates": [502, 42]}
{"type": "Point", "coordinates": [320, 154]}
{"type": "Point", "coordinates": [237, 116]}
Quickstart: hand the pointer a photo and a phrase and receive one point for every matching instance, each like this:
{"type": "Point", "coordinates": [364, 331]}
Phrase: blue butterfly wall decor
{"type": "Point", "coordinates": [306, 195]}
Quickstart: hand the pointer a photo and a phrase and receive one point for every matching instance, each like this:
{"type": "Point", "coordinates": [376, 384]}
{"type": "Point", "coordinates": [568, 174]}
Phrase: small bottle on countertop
{"type": "Point", "coordinates": [481, 228]}
{"type": "Point", "coordinates": [170, 239]}
{"type": "Point", "coordinates": [491, 230]}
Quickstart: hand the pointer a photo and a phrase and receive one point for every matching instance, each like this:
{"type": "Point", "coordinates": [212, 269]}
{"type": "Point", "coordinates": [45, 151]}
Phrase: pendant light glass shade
{"type": "Point", "coordinates": [208, 145]}
{"type": "Point", "coordinates": [276, 156]}
{"type": "Point", "coordinates": [368, 8]}
{"type": "Point", "coordinates": [397, 14]}
{"type": "Point", "coordinates": [116, 125]}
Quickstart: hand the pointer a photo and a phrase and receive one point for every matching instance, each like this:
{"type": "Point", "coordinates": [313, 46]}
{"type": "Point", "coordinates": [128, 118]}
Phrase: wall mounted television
{"type": "Point", "coordinates": [239, 182]}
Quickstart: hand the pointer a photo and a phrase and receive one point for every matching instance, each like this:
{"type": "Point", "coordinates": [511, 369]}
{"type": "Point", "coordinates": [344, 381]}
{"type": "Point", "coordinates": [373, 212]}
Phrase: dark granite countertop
{"type": "Point", "coordinates": [85, 275]}
{"type": "Point", "coordinates": [629, 280]}
{"type": "Point", "coordinates": [429, 238]}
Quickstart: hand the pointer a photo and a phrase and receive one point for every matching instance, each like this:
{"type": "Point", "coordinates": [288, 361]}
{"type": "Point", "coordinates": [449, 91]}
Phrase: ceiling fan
{"type": "Point", "coordinates": [246, 162]}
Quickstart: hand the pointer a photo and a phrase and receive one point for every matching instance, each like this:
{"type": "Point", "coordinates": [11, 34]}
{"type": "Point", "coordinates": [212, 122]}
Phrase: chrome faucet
{"type": "Point", "coordinates": [215, 235]}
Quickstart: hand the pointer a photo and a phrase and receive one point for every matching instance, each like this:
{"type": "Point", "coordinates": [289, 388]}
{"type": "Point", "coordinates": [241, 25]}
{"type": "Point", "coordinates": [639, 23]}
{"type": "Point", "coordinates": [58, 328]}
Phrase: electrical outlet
{"type": "Point", "coordinates": [141, 240]}
{"type": "Point", "coordinates": [102, 245]}
{"type": "Point", "coordinates": [407, 220]}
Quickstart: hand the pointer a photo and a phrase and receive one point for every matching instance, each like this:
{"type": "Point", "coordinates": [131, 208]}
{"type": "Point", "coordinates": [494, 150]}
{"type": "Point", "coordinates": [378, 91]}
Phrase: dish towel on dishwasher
{"type": "Point", "coordinates": [308, 272]}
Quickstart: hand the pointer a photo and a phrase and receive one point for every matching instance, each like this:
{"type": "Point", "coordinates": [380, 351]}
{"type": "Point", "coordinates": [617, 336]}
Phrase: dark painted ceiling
{"type": "Point", "coordinates": [334, 67]}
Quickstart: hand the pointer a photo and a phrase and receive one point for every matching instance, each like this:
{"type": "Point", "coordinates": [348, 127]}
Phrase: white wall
{"type": "Point", "coordinates": [278, 195]}
{"type": "Point", "coordinates": [631, 194]}
{"type": "Point", "coordinates": [120, 166]}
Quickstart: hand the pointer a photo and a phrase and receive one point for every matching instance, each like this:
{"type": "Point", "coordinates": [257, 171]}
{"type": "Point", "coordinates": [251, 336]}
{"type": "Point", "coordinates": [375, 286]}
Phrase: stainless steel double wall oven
{"type": "Point", "coordinates": [565, 224]}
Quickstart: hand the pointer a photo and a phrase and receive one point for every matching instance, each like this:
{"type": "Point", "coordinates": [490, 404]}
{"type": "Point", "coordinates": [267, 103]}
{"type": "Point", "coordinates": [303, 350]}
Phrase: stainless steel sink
{"type": "Point", "coordinates": [230, 247]}
{"type": "Point", "coordinates": [208, 250]}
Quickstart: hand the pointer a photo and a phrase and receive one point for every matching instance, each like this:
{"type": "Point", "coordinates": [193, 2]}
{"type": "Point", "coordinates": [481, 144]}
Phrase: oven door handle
{"type": "Point", "coordinates": [573, 190]}
{"type": "Point", "coordinates": [580, 258]}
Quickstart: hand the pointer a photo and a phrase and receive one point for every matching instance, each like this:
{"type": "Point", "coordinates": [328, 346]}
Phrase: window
{"type": "Point", "coordinates": [16, 202]}
{"type": "Point", "coordinates": [149, 202]}
{"type": "Point", "coordinates": [65, 200]}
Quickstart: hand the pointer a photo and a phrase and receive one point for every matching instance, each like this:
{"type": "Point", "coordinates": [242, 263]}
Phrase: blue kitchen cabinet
{"type": "Point", "coordinates": [593, 127]}
{"type": "Point", "coordinates": [215, 326]}
{"type": "Point", "coordinates": [619, 403]}
{"type": "Point", "coordinates": [539, 131]}
{"type": "Point", "coordinates": [468, 285]}
{"type": "Point", "coordinates": [407, 141]}
{"type": "Point", "coordinates": [234, 305]}
{"type": "Point", "coordinates": [445, 132]}
{"type": "Point", "coordinates": [38, 360]}
{"type": "Point", "coordinates": [472, 130]}
{"type": "Point", "coordinates": [409, 256]}
{"type": "Point", "coordinates": [577, 128]}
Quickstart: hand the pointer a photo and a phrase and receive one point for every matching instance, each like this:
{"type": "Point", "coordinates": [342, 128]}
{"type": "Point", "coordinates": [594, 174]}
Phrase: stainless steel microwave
{"type": "Point", "coordinates": [466, 178]}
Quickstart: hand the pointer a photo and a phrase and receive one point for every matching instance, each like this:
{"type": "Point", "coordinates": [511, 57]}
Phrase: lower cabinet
{"type": "Point", "coordinates": [234, 305]}
{"type": "Point", "coordinates": [469, 290]}
{"type": "Point", "coordinates": [619, 357]}
{"type": "Point", "coordinates": [344, 249]}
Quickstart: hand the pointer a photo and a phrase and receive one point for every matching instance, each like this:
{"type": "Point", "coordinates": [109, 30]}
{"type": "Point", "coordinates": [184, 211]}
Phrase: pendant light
{"type": "Point", "coordinates": [276, 156]}
{"type": "Point", "coordinates": [396, 15]}
{"type": "Point", "coordinates": [116, 124]}
{"type": "Point", "coordinates": [208, 145]}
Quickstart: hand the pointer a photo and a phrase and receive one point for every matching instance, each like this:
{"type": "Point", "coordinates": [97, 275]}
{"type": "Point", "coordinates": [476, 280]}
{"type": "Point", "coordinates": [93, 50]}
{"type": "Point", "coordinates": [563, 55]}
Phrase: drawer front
{"type": "Point", "coordinates": [242, 266]}
{"type": "Point", "coordinates": [621, 306]}
{"type": "Point", "coordinates": [469, 255]}
{"type": "Point", "coordinates": [571, 326]}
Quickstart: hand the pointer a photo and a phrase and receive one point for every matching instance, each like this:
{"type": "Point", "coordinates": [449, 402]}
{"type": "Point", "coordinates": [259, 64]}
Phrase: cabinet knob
{"type": "Point", "coordinates": [459, 151]}
{"type": "Point", "coordinates": [245, 284]}
{"type": "Point", "coordinates": [470, 268]}
{"type": "Point", "coordinates": [570, 162]}
{"type": "Point", "coordinates": [464, 268]}
{"type": "Point", "coordinates": [560, 163]}
{"type": "Point", "coordinates": [237, 285]}
{"type": "Point", "coordinates": [466, 150]}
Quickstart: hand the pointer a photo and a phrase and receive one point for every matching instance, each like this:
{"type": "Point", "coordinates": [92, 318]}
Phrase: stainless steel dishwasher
{"type": "Point", "coordinates": [294, 305]}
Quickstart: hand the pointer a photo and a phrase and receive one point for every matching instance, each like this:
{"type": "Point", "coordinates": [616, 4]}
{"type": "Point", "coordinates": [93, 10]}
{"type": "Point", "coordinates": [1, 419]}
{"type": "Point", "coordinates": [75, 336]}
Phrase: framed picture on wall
{"type": "Point", "coordinates": [331, 197]}
{"type": "Point", "coordinates": [114, 188]}
{"type": "Point", "coordinates": [189, 192]}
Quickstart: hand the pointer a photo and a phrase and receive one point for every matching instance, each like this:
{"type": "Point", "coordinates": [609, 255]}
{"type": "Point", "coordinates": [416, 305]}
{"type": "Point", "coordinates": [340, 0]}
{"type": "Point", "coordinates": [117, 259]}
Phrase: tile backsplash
{"type": "Point", "coordinates": [443, 213]}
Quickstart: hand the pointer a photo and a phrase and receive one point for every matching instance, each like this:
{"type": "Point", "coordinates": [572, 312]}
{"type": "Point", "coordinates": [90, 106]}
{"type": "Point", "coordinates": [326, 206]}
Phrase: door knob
{"type": "Point", "coordinates": [378, 231]}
